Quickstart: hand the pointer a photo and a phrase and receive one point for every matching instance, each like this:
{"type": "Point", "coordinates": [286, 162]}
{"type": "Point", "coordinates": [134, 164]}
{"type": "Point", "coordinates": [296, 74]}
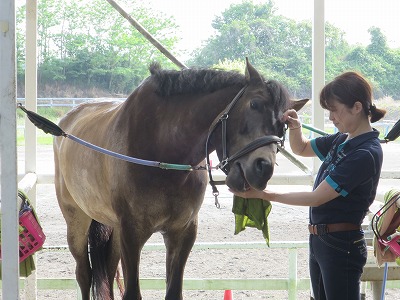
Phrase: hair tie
{"type": "Point", "coordinates": [372, 108]}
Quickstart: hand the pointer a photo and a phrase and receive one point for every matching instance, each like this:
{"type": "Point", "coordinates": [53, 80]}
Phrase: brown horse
{"type": "Point", "coordinates": [115, 206]}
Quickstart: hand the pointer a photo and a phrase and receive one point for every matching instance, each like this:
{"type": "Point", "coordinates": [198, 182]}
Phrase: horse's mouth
{"type": "Point", "coordinates": [236, 179]}
{"type": "Point", "coordinates": [246, 185]}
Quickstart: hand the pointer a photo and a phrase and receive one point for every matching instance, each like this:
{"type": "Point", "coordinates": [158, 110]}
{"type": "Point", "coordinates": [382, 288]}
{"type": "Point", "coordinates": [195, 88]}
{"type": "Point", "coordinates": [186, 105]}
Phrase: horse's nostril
{"type": "Point", "coordinates": [263, 167]}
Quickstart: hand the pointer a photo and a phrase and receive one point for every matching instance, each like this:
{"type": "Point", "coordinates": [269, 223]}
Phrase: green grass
{"type": "Point", "coordinates": [42, 139]}
{"type": "Point", "coordinates": [45, 140]}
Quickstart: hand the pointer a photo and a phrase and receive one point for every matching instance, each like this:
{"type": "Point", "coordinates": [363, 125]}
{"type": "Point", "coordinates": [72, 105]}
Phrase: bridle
{"type": "Point", "coordinates": [226, 159]}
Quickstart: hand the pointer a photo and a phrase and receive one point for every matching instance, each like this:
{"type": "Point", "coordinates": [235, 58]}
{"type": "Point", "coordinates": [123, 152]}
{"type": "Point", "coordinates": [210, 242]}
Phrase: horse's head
{"type": "Point", "coordinates": [253, 129]}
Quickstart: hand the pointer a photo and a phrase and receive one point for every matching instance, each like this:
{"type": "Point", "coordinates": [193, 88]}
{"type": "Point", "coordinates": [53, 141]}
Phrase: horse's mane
{"type": "Point", "coordinates": [187, 81]}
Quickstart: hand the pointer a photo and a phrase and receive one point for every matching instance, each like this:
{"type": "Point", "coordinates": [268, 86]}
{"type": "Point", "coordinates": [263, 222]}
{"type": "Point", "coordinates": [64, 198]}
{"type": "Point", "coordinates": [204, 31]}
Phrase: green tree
{"type": "Point", "coordinates": [378, 63]}
{"type": "Point", "coordinates": [281, 49]}
{"type": "Point", "coordinates": [49, 16]}
{"type": "Point", "coordinates": [239, 29]}
{"type": "Point", "coordinates": [378, 45]}
{"type": "Point", "coordinates": [278, 46]}
{"type": "Point", "coordinates": [336, 49]}
{"type": "Point", "coordinates": [87, 44]}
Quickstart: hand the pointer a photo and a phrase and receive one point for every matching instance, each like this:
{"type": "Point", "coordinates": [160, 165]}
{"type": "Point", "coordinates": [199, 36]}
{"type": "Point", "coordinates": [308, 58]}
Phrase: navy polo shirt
{"type": "Point", "coordinates": [352, 168]}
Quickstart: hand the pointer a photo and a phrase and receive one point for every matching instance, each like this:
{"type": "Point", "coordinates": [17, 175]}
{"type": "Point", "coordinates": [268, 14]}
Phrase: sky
{"type": "Point", "coordinates": [352, 16]}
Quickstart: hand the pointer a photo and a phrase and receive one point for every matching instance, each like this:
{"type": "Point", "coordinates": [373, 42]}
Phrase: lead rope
{"type": "Point", "coordinates": [49, 127]}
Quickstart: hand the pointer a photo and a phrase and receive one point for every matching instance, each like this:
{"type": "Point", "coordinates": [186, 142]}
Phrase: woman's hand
{"type": "Point", "coordinates": [291, 118]}
{"type": "Point", "coordinates": [251, 193]}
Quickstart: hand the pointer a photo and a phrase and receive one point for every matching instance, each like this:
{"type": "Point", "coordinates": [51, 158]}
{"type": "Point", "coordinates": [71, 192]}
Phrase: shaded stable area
{"type": "Point", "coordinates": [29, 162]}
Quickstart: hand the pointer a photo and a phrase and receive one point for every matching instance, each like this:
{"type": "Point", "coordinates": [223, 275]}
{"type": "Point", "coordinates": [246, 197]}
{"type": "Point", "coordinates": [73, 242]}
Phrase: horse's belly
{"type": "Point", "coordinates": [94, 201]}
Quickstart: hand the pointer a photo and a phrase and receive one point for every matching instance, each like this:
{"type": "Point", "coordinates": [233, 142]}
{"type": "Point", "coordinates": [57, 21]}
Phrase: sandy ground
{"type": "Point", "coordinates": [287, 223]}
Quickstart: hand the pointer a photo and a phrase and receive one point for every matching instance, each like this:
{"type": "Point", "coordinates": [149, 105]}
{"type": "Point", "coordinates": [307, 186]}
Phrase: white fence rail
{"type": "Point", "coordinates": [386, 125]}
{"type": "Point", "coordinates": [66, 102]}
{"type": "Point", "coordinates": [292, 283]}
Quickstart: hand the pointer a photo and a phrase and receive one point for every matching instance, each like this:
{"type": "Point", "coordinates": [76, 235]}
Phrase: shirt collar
{"type": "Point", "coordinates": [354, 142]}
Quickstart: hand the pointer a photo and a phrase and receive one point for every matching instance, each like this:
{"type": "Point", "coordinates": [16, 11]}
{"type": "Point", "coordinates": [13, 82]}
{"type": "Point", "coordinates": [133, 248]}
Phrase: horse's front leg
{"type": "Point", "coordinates": [133, 237]}
{"type": "Point", "coordinates": [179, 243]}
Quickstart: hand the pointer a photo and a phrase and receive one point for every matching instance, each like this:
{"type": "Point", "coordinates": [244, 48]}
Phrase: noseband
{"type": "Point", "coordinates": [226, 160]}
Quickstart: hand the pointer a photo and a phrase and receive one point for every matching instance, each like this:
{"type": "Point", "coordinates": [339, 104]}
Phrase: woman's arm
{"type": "Point", "coordinates": [322, 194]}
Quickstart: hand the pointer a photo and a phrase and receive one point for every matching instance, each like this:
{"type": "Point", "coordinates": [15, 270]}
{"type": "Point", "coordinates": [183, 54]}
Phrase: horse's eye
{"type": "Point", "coordinates": [254, 105]}
{"type": "Point", "coordinates": [257, 105]}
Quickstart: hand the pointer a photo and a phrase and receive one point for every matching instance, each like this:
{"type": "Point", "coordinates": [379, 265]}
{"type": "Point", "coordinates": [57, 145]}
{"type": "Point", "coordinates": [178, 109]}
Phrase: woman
{"type": "Point", "coordinates": [344, 188]}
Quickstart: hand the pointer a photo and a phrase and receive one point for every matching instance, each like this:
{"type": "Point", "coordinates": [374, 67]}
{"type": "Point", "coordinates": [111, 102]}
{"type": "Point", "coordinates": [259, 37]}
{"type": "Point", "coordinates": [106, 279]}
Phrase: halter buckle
{"type": "Point", "coordinates": [224, 116]}
{"type": "Point", "coordinates": [223, 163]}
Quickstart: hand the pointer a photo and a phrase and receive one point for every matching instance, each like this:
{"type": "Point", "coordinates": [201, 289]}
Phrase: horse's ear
{"type": "Point", "coordinates": [297, 104]}
{"type": "Point", "coordinates": [251, 73]}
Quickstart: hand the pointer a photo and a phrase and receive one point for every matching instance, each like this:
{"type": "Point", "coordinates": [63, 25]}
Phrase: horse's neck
{"type": "Point", "coordinates": [200, 118]}
{"type": "Point", "coordinates": [176, 132]}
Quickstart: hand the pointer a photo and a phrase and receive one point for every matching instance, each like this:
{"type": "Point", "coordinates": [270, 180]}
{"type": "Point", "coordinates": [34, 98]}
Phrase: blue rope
{"type": "Point", "coordinates": [134, 160]}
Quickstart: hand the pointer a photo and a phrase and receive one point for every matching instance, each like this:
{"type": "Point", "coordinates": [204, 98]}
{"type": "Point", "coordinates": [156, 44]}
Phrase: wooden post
{"type": "Point", "coordinates": [30, 129]}
{"type": "Point", "coordinates": [8, 153]}
{"type": "Point", "coordinates": [292, 273]}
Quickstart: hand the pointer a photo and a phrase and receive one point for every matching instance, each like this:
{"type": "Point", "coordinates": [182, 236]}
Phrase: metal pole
{"type": "Point", "coordinates": [384, 281]}
{"type": "Point", "coordinates": [8, 153]}
{"type": "Point", "coordinates": [146, 34]}
{"type": "Point", "coordinates": [318, 67]}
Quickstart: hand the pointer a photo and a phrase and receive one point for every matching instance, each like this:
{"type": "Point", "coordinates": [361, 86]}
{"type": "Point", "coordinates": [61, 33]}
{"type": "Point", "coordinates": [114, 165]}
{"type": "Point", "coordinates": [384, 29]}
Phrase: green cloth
{"type": "Point", "coordinates": [25, 268]}
{"type": "Point", "coordinates": [251, 212]}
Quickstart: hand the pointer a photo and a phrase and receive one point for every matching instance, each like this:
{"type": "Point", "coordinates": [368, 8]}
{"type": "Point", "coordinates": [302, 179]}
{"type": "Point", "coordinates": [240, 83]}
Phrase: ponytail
{"type": "Point", "coordinates": [376, 113]}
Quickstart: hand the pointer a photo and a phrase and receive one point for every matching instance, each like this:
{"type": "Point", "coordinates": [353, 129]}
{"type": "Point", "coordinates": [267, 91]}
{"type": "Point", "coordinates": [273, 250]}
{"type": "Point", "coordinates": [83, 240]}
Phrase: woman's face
{"type": "Point", "coordinates": [341, 116]}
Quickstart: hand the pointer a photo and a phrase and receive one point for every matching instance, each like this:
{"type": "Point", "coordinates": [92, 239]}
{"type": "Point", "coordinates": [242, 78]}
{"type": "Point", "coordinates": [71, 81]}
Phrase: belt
{"type": "Point", "coordinates": [321, 229]}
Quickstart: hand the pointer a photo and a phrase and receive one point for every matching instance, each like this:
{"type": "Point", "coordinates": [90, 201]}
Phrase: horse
{"type": "Point", "coordinates": [113, 206]}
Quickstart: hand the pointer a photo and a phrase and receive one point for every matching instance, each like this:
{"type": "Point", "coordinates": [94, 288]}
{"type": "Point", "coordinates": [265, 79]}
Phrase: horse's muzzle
{"type": "Point", "coordinates": [256, 175]}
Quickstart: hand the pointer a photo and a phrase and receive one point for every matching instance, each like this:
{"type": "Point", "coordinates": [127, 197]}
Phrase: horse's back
{"type": "Point", "coordinates": [87, 113]}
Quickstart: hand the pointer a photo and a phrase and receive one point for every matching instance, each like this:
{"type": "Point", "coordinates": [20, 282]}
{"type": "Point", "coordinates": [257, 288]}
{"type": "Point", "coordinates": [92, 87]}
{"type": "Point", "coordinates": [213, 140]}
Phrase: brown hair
{"type": "Point", "coordinates": [349, 88]}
